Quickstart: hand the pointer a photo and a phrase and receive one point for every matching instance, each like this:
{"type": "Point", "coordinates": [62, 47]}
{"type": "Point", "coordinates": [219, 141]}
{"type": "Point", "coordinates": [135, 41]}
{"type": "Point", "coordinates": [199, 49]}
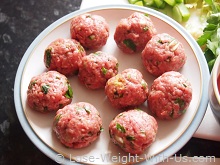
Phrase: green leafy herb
{"type": "Point", "coordinates": [97, 53]}
{"type": "Point", "coordinates": [130, 44]}
{"type": "Point", "coordinates": [120, 128]}
{"type": "Point", "coordinates": [144, 84]}
{"type": "Point", "coordinates": [104, 70]}
{"type": "Point", "coordinates": [48, 57]}
{"type": "Point", "coordinates": [117, 95]}
{"type": "Point", "coordinates": [101, 129]}
{"type": "Point", "coordinates": [32, 84]}
{"type": "Point", "coordinates": [92, 37]}
{"type": "Point", "coordinates": [117, 65]}
{"type": "Point", "coordinates": [146, 28]}
{"type": "Point", "coordinates": [57, 118]}
{"type": "Point", "coordinates": [87, 109]}
{"type": "Point", "coordinates": [45, 88]}
{"type": "Point", "coordinates": [182, 112]}
{"type": "Point", "coordinates": [130, 138]}
{"type": "Point", "coordinates": [179, 101]}
{"type": "Point", "coordinates": [171, 113]}
{"type": "Point", "coordinates": [211, 34]}
{"type": "Point", "coordinates": [69, 92]}
{"type": "Point", "coordinates": [160, 41]}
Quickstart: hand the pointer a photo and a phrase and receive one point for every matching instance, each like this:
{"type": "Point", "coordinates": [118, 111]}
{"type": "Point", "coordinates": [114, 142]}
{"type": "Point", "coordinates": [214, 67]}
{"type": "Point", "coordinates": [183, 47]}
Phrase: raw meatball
{"type": "Point", "coordinates": [170, 95]}
{"type": "Point", "coordinates": [64, 56]}
{"type": "Point", "coordinates": [77, 125]}
{"type": "Point", "coordinates": [96, 69]}
{"type": "Point", "coordinates": [163, 53]}
{"type": "Point", "coordinates": [133, 33]}
{"type": "Point", "coordinates": [92, 31]}
{"type": "Point", "coordinates": [49, 91]}
{"type": "Point", "coordinates": [127, 90]}
{"type": "Point", "coordinates": [134, 131]}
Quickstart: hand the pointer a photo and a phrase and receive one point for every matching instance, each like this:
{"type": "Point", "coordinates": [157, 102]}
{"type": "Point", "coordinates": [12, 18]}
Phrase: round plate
{"type": "Point", "coordinates": [172, 135]}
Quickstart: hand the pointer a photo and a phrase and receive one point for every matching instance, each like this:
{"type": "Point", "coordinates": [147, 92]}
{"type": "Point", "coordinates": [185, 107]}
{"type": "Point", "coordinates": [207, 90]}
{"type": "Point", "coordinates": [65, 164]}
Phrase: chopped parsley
{"type": "Point", "coordinates": [45, 88]}
{"type": "Point", "coordinates": [32, 84]}
{"type": "Point", "coordinates": [185, 85]}
{"type": "Point", "coordinates": [179, 101]}
{"type": "Point", "coordinates": [144, 84]}
{"type": "Point", "coordinates": [57, 118]}
{"type": "Point", "coordinates": [92, 37]}
{"type": "Point", "coordinates": [101, 129]}
{"type": "Point", "coordinates": [130, 138]}
{"type": "Point", "coordinates": [69, 92]}
{"type": "Point", "coordinates": [117, 95]}
{"type": "Point", "coordinates": [87, 109]}
{"type": "Point", "coordinates": [130, 44]}
{"type": "Point", "coordinates": [48, 57]}
{"type": "Point", "coordinates": [146, 28]}
{"type": "Point", "coordinates": [120, 128]}
{"type": "Point", "coordinates": [104, 70]}
{"type": "Point", "coordinates": [172, 113]}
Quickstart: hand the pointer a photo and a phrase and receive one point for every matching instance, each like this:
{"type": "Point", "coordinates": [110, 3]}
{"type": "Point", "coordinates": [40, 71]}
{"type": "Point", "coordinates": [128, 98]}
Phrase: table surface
{"type": "Point", "coordinates": [20, 23]}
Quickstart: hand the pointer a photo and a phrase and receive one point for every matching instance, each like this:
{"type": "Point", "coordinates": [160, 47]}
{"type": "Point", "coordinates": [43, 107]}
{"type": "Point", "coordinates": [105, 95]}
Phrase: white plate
{"type": "Point", "coordinates": [172, 135]}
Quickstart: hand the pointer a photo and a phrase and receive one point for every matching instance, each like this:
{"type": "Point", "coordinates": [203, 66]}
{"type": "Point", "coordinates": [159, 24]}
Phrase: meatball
{"type": "Point", "coordinates": [92, 31]}
{"type": "Point", "coordinates": [170, 95]}
{"type": "Point", "coordinates": [127, 90]}
{"type": "Point", "coordinates": [77, 125]}
{"type": "Point", "coordinates": [163, 53]}
{"type": "Point", "coordinates": [49, 91]}
{"type": "Point", "coordinates": [133, 130]}
{"type": "Point", "coordinates": [133, 33]}
{"type": "Point", "coordinates": [64, 56]}
{"type": "Point", "coordinates": [96, 69]}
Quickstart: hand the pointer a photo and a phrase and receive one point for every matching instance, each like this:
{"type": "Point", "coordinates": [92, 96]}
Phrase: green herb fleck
{"type": "Point", "coordinates": [144, 84]}
{"type": "Point", "coordinates": [80, 48]}
{"type": "Point", "coordinates": [138, 109]}
{"type": "Point", "coordinates": [130, 44]}
{"type": "Point", "coordinates": [87, 109]}
{"type": "Point", "coordinates": [48, 57]}
{"type": "Point", "coordinates": [146, 14]}
{"type": "Point", "coordinates": [104, 70]}
{"type": "Point", "coordinates": [130, 138]}
{"type": "Point", "coordinates": [97, 53]}
{"type": "Point", "coordinates": [120, 128]}
{"type": "Point", "coordinates": [171, 113]}
{"type": "Point", "coordinates": [117, 65]}
{"type": "Point", "coordinates": [146, 28]}
{"type": "Point", "coordinates": [69, 92]}
{"type": "Point", "coordinates": [179, 101]}
{"type": "Point", "coordinates": [182, 112]}
{"type": "Point", "coordinates": [57, 118]}
{"type": "Point", "coordinates": [101, 129]}
{"type": "Point", "coordinates": [92, 37]}
{"type": "Point", "coordinates": [117, 95]}
{"type": "Point", "coordinates": [121, 114]}
{"type": "Point", "coordinates": [32, 84]}
{"type": "Point", "coordinates": [45, 89]}
{"type": "Point", "coordinates": [160, 41]}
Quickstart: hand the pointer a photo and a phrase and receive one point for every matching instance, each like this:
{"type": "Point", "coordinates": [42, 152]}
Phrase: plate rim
{"type": "Point", "coordinates": [168, 151]}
